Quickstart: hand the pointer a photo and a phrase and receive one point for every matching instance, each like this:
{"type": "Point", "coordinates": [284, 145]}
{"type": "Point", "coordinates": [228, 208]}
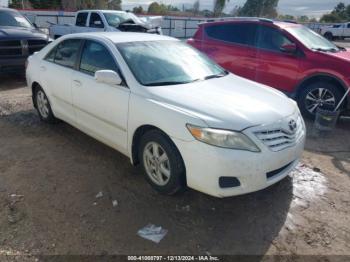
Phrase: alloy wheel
{"type": "Point", "coordinates": [319, 97]}
{"type": "Point", "coordinates": [157, 164]}
{"type": "Point", "coordinates": [42, 103]}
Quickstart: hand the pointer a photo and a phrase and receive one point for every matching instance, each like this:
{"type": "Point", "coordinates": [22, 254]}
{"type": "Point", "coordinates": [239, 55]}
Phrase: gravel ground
{"type": "Point", "coordinates": [50, 176]}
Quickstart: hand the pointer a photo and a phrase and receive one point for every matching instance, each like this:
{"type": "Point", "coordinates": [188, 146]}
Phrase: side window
{"type": "Point", "coordinates": [271, 39]}
{"type": "Point", "coordinates": [67, 52]}
{"type": "Point", "coordinates": [348, 25]}
{"type": "Point", "coordinates": [95, 21]}
{"type": "Point", "coordinates": [96, 57]}
{"type": "Point", "coordinates": [51, 55]}
{"type": "Point", "coordinates": [81, 19]}
{"type": "Point", "coordinates": [243, 33]}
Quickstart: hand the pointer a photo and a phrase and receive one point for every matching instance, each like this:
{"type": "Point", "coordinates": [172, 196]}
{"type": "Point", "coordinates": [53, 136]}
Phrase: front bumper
{"type": "Point", "coordinates": [12, 64]}
{"type": "Point", "coordinates": [206, 164]}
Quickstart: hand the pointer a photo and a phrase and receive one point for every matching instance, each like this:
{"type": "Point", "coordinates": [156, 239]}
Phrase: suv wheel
{"type": "Point", "coordinates": [43, 106]}
{"type": "Point", "coordinates": [162, 163]}
{"type": "Point", "coordinates": [319, 94]}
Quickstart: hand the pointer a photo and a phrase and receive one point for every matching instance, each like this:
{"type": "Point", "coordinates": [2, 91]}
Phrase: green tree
{"type": "Point", "coordinates": [219, 6]}
{"type": "Point", "coordinates": [286, 17]}
{"type": "Point", "coordinates": [157, 9]}
{"type": "Point", "coordinates": [43, 4]}
{"type": "Point", "coordinates": [260, 8]}
{"type": "Point", "coordinates": [196, 7]}
{"type": "Point", "coordinates": [115, 4]}
{"type": "Point", "coordinates": [137, 10]}
{"type": "Point", "coordinates": [303, 19]}
{"type": "Point", "coordinates": [340, 13]}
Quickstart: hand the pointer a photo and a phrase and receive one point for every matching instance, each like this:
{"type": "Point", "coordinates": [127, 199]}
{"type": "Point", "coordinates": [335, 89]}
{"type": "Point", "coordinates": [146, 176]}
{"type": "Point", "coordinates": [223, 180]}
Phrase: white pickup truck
{"type": "Point", "coordinates": [109, 21]}
{"type": "Point", "coordinates": [340, 31]}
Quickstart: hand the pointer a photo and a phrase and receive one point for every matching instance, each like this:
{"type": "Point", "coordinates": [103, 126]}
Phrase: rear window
{"type": "Point", "coordinates": [81, 19]}
{"type": "Point", "coordinates": [243, 33]}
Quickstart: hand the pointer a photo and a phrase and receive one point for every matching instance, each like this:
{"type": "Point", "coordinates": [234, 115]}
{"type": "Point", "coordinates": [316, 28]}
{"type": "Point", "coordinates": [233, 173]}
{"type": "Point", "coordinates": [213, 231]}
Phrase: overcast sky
{"type": "Point", "coordinates": [313, 8]}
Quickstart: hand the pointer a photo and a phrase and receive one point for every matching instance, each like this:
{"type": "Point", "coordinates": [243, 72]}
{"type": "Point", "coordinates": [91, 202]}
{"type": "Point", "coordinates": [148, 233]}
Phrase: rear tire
{"type": "Point", "coordinates": [162, 163]}
{"type": "Point", "coordinates": [329, 36]}
{"type": "Point", "coordinates": [43, 106]}
{"type": "Point", "coordinates": [319, 94]}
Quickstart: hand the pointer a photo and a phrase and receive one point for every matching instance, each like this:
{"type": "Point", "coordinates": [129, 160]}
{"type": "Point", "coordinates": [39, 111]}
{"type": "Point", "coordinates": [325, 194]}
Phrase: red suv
{"type": "Point", "coordinates": [284, 55]}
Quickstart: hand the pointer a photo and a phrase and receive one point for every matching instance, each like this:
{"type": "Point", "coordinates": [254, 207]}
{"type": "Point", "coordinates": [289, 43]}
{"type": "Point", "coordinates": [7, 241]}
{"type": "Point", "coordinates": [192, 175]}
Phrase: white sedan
{"type": "Point", "coordinates": [165, 105]}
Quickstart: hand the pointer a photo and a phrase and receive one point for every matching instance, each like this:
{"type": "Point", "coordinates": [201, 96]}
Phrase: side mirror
{"type": "Point", "coordinates": [289, 48]}
{"type": "Point", "coordinates": [108, 77]}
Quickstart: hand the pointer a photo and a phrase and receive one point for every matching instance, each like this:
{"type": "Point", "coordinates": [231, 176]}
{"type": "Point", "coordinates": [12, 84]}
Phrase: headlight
{"type": "Point", "coordinates": [223, 138]}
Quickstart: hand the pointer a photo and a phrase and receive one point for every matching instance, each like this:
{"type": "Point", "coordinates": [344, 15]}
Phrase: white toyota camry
{"type": "Point", "coordinates": [165, 105]}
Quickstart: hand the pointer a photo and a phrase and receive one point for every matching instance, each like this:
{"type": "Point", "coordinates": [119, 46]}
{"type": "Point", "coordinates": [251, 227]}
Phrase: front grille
{"type": "Point", "coordinates": [10, 48]}
{"type": "Point", "coordinates": [10, 43]}
{"type": "Point", "coordinates": [282, 137]}
{"type": "Point", "coordinates": [15, 48]}
{"type": "Point", "coordinates": [36, 45]}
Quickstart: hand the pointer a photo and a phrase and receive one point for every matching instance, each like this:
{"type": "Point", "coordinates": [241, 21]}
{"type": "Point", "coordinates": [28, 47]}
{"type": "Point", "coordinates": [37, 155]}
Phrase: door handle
{"type": "Point", "coordinates": [43, 68]}
{"type": "Point", "coordinates": [77, 82]}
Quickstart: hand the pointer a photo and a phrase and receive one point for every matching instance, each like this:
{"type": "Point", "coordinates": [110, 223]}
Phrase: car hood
{"type": "Point", "coordinates": [20, 33]}
{"type": "Point", "coordinates": [345, 55]}
{"type": "Point", "coordinates": [229, 102]}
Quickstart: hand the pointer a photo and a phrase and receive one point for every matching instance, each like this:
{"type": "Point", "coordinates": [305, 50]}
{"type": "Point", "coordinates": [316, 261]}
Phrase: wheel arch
{"type": "Point", "coordinates": [139, 132]}
{"type": "Point", "coordinates": [319, 77]}
{"type": "Point", "coordinates": [33, 87]}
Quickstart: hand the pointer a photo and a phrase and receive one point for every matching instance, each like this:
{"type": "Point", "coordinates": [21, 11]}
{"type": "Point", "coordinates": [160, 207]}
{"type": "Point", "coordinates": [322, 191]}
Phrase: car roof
{"type": "Point", "coordinates": [258, 20]}
{"type": "Point", "coordinates": [101, 10]}
{"type": "Point", "coordinates": [122, 37]}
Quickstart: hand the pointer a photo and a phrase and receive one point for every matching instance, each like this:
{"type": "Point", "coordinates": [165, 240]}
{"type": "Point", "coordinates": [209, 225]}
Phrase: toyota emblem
{"type": "Point", "coordinates": [292, 125]}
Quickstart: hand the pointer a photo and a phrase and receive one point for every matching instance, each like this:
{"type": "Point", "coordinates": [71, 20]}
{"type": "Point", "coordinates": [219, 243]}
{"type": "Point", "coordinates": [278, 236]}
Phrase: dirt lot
{"type": "Point", "coordinates": [50, 175]}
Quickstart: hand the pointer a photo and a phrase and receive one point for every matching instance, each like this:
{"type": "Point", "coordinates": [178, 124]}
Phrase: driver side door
{"type": "Point", "coordinates": [101, 109]}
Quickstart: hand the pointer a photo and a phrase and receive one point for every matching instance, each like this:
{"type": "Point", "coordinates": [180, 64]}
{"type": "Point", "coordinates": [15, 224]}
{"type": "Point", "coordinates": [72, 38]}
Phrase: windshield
{"type": "Point", "coordinates": [311, 39]}
{"type": "Point", "coordinates": [114, 19]}
{"type": "Point", "coordinates": [12, 18]}
{"type": "Point", "coordinates": [157, 63]}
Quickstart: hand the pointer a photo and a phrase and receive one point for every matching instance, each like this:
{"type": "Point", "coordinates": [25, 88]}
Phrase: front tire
{"type": "Point", "coordinates": [43, 106]}
{"type": "Point", "coordinates": [319, 94]}
{"type": "Point", "coordinates": [162, 163]}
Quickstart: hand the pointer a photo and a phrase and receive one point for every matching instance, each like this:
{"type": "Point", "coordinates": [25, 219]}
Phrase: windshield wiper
{"type": "Point", "coordinates": [167, 83]}
{"type": "Point", "coordinates": [216, 76]}
{"type": "Point", "coordinates": [333, 50]}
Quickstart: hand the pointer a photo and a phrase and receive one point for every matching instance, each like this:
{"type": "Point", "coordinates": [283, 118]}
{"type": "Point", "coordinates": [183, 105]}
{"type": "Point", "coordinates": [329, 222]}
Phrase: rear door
{"type": "Point", "coordinates": [57, 71]}
{"type": "Point", "coordinates": [274, 67]}
{"type": "Point", "coordinates": [232, 46]}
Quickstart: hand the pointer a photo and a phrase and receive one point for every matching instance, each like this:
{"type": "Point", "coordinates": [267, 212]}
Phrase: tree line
{"type": "Point", "coordinates": [340, 13]}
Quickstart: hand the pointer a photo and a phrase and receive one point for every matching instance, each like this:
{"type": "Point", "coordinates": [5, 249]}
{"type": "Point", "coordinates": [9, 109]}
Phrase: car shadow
{"type": "Point", "coordinates": [12, 80]}
{"type": "Point", "coordinates": [71, 168]}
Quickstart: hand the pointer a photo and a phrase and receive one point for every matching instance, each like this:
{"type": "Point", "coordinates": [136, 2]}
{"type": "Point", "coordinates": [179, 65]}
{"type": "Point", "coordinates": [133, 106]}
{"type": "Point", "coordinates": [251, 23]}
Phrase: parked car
{"type": "Point", "coordinates": [286, 56]}
{"type": "Point", "coordinates": [167, 106]}
{"type": "Point", "coordinates": [108, 21]}
{"type": "Point", "coordinates": [340, 31]}
{"type": "Point", "coordinates": [18, 39]}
